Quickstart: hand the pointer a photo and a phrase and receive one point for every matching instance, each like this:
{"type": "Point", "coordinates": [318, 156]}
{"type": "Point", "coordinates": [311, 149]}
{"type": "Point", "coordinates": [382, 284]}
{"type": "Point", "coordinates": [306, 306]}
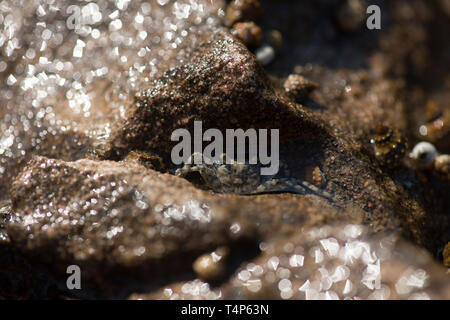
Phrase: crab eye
{"type": "Point", "coordinates": [424, 153]}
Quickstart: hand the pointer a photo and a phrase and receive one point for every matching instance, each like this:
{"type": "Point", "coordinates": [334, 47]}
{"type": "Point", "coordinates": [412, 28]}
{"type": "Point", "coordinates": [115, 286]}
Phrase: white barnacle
{"type": "Point", "coordinates": [245, 179]}
{"type": "Point", "coordinates": [424, 154]}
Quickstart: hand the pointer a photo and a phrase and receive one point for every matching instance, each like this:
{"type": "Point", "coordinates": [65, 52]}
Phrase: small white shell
{"type": "Point", "coordinates": [265, 54]}
{"type": "Point", "coordinates": [424, 153]}
{"type": "Point", "coordinates": [442, 164]}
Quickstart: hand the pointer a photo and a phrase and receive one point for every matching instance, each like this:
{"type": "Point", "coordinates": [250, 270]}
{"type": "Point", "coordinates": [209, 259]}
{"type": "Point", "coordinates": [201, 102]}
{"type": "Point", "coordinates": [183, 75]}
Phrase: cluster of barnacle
{"type": "Point", "coordinates": [390, 147]}
{"type": "Point", "coordinates": [436, 130]}
{"type": "Point", "coordinates": [240, 17]}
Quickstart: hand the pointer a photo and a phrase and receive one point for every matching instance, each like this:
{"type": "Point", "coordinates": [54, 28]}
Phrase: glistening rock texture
{"type": "Point", "coordinates": [121, 220]}
{"type": "Point", "coordinates": [114, 88]}
{"type": "Point", "coordinates": [340, 262]}
{"type": "Point", "coordinates": [327, 263]}
{"type": "Point", "coordinates": [111, 216]}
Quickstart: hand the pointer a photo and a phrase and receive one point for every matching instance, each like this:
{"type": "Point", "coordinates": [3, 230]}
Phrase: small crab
{"type": "Point", "coordinates": [245, 179]}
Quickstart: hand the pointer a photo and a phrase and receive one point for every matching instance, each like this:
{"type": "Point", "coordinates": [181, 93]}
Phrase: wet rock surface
{"type": "Point", "coordinates": [223, 86]}
{"type": "Point", "coordinates": [118, 219]}
{"type": "Point", "coordinates": [86, 115]}
{"type": "Point", "coordinates": [328, 263]}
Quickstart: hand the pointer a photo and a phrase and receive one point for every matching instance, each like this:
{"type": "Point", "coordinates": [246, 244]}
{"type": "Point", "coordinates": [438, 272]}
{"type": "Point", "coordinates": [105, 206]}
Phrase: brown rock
{"type": "Point", "coordinates": [122, 217]}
